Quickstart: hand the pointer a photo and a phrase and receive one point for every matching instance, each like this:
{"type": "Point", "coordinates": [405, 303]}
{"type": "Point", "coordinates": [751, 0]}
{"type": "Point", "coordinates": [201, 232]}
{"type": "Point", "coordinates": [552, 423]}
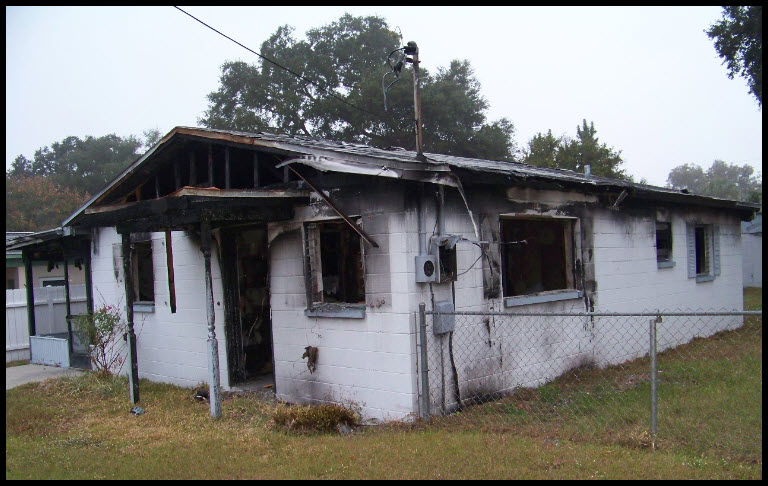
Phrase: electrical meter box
{"type": "Point", "coordinates": [443, 323]}
{"type": "Point", "coordinates": [426, 268]}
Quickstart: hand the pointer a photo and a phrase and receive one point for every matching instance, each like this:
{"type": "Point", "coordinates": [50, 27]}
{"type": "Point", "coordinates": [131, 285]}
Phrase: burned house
{"type": "Point", "coordinates": [283, 250]}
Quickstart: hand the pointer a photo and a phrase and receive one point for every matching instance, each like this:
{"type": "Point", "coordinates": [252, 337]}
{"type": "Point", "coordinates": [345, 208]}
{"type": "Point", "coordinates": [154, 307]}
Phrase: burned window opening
{"type": "Point", "coordinates": [537, 256]}
{"type": "Point", "coordinates": [144, 279]}
{"type": "Point", "coordinates": [663, 242]}
{"type": "Point", "coordinates": [336, 263]}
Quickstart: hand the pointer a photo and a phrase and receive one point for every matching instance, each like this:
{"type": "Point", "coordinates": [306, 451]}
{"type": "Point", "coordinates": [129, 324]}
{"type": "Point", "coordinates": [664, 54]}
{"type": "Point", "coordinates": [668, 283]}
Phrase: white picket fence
{"type": "Point", "coordinates": [50, 316]}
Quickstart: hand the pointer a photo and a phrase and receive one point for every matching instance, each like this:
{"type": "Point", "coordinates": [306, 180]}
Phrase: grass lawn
{"type": "Point", "coordinates": [80, 428]}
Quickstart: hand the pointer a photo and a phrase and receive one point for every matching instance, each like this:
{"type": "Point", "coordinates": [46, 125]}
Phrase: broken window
{"type": "Point", "coordinates": [537, 255]}
{"type": "Point", "coordinates": [143, 275]}
{"type": "Point", "coordinates": [335, 258]}
{"type": "Point", "coordinates": [663, 242]}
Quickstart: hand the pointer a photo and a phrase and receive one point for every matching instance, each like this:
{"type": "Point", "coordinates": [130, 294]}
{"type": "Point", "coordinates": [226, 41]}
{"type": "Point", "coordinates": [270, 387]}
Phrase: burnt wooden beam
{"type": "Point", "coordinates": [192, 169]}
{"type": "Point", "coordinates": [255, 170]}
{"type": "Point", "coordinates": [176, 175]}
{"type": "Point", "coordinates": [227, 182]}
{"type": "Point", "coordinates": [330, 203]}
{"type": "Point", "coordinates": [171, 278]}
{"type": "Point", "coordinates": [30, 294]}
{"type": "Point", "coordinates": [157, 187]}
{"type": "Point", "coordinates": [88, 282]}
{"type": "Point", "coordinates": [133, 374]}
{"type": "Point", "coordinates": [210, 166]}
{"type": "Point", "coordinates": [67, 300]}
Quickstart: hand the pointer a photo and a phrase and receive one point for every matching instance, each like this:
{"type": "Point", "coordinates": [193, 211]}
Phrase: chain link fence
{"type": "Point", "coordinates": [656, 379]}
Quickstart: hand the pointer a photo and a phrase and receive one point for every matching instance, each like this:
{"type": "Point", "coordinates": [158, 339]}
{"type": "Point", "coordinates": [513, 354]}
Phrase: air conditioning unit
{"type": "Point", "coordinates": [426, 268]}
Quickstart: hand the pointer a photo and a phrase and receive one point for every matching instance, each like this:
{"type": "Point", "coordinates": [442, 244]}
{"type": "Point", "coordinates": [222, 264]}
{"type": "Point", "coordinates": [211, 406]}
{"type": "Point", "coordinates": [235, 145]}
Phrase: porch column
{"type": "Point", "coordinates": [214, 385]}
{"type": "Point", "coordinates": [133, 376]}
{"type": "Point", "coordinates": [88, 282]}
{"type": "Point", "coordinates": [30, 283]}
{"type": "Point", "coordinates": [69, 306]}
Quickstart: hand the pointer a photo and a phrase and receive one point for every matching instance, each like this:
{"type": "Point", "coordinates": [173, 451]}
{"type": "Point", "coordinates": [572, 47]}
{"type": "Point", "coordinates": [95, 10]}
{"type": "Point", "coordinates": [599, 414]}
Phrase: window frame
{"type": "Point", "coordinates": [669, 262]}
{"type": "Point", "coordinates": [711, 243]}
{"type": "Point", "coordinates": [313, 271]}
{"type": "Point", "coordinates": [138, 304]}
{"type": "Point", "coordinates": [572, 248]}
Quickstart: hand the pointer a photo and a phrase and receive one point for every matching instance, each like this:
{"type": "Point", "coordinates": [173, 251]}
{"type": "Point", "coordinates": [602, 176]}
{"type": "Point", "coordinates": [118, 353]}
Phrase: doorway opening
{"type": "Point", "coordinates": [245, 272]}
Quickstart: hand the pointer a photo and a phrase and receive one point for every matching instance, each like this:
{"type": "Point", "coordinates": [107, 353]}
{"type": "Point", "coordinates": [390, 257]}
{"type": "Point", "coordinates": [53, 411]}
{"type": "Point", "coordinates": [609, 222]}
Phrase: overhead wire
{"type": "Point", "coordinates": [313, 83]}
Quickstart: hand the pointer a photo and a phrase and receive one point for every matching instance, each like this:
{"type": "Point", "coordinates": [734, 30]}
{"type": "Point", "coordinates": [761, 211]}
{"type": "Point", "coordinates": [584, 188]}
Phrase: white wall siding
{"type": "Point", "coordinates": [369, 362]}
{"type": "Point", "coordinates": [172, 347]}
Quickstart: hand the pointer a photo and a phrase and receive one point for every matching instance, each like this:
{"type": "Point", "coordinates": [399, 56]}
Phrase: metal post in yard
{"type": "Point", "coordinates": [424, 367]}
{"type": "Point", "coordinates": [654, 382]}
{"type": "Point", "coordinates": [214, 392]}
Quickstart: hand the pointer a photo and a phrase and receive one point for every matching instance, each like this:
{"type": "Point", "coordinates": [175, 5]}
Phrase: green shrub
{"type": "Point", "coordinates": [102, 331]}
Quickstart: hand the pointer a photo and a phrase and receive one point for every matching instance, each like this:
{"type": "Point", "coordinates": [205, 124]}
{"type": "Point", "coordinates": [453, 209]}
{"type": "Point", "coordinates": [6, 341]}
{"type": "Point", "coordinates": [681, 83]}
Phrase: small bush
{"type": "Point", "coordinates": [315, 418]}
{"type": "Point", "coordinates": [103, 330]}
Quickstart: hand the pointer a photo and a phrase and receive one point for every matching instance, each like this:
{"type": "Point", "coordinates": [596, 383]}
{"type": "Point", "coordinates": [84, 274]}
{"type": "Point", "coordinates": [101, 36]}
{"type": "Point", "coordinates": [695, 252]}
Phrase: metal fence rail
{"type": "Point", "coordinates": [666, 379]}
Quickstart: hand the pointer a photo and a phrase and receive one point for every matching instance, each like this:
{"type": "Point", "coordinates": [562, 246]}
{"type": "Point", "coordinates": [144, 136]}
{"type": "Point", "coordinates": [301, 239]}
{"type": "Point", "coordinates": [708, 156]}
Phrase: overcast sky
{"type": "Point", "coordinates": [649, 77]}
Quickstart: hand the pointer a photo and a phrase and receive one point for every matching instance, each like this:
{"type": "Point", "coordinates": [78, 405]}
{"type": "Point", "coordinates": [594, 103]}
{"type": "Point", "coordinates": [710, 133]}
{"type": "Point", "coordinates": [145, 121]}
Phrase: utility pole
{"type": "Point", "coordinates": [413, 50]}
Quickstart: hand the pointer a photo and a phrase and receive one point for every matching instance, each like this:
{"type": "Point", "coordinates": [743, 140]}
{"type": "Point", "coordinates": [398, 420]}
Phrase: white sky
{"type": "Point", "coordinates": [648, 77]}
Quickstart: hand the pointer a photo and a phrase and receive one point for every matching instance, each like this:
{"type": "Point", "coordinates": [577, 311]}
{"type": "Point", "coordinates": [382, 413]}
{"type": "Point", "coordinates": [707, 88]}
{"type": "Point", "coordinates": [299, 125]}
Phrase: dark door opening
{"type": "Point", "coordinates": [253, 302]}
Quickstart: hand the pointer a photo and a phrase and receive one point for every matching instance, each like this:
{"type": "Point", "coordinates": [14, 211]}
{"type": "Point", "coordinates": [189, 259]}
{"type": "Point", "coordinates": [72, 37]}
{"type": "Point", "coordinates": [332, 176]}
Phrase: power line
{"type": "Point", "coordinates": [326, 90]}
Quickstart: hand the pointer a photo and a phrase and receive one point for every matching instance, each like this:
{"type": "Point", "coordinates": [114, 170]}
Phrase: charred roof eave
{"type": "Point", "coordinates": [436, 168]}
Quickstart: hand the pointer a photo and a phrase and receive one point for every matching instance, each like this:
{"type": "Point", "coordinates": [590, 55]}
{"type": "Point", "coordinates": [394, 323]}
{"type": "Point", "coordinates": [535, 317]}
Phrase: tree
{"type": "Point", "coordinates": [35, 203]}
{"type": "Point", "coordinates": [575, 153]}
{"type": "Point", "coordinates": [739, 41]}
{"type": "Point", "coordinates": [723, 180]}
{"type": "Point", "coordinates": [82, 165]}
{"type": "Point", "coordinates": [348, 58]}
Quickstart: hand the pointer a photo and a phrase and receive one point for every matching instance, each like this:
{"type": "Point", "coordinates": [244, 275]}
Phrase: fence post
{"type": "Point", "coordinates": [424, 368]}
{"type": "Point", "coordinates": [654, 382]}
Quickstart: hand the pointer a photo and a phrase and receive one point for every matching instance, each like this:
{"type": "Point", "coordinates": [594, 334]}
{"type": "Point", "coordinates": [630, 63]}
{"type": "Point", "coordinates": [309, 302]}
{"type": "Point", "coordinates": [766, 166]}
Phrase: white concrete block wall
{"type": "Point", "coordinates": [372, 362]}
{"type": "Point", "coordinates": [501, 354]}
{"type": "Point", "coordinates": [630, 281]}
{"type": "Point", "coordinates": [368, 362]}
{"type": "Point", "coordinates": [172, 347]}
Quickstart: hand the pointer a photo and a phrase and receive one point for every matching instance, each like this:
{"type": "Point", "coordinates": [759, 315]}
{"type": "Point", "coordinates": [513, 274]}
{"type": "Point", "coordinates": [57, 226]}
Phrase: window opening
{"type": "Point", "coordinates": [144, 279]}
{"type": "Point", "coordinates": [339, 274]}
{"type": "Point", "coordinates": [702, 250]}
{"type": "Point", "coordinates": [663, 242]}
{"type": "Point", "coordinates": [537, 255]}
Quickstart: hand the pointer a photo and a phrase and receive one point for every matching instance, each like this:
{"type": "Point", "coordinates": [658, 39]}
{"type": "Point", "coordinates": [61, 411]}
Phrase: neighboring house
{"type": "Point", "coordinates": [752, 251]}
{"type": "Point", "coordinates": [290, 242]}
{"type": "Point", "coordinates": [44, 274]}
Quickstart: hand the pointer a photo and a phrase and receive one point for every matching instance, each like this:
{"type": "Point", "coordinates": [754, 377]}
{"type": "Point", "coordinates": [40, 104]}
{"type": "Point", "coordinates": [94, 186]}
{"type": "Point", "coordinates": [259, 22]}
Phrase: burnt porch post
{"type": "Point", "coordinates": [69, 306]}
{"type": "Point", "coordinates": [133, 376]}
{"type": "Point", "coordinates": [30, 283]}
{"type": "Point", "coordinates": [214, 391]}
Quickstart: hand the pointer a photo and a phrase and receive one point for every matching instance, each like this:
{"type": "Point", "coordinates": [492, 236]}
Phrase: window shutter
{"type": "Point", "coordinates": [690, 229]}
{"type": "Point", "coordinates": [715, 249]}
